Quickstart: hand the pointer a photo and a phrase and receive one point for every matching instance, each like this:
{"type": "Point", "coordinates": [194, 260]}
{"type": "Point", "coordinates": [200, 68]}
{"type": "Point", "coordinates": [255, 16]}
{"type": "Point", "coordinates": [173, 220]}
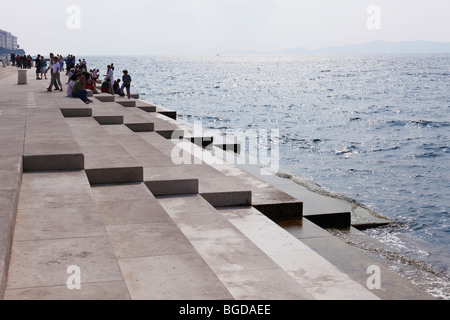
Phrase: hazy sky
{"type": "Point", "coordinates": [208, 26]}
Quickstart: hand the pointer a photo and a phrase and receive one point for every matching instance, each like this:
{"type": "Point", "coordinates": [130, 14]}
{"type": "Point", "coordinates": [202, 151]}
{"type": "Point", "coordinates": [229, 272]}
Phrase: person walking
{"type": "Point", "coordinates": [56, 76]}
{"type": "Point", "coordinates": [52, 61]}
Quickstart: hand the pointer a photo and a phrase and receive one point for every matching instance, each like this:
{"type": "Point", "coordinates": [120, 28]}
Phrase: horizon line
{"type": "Point", "coordinates": [222, 51]}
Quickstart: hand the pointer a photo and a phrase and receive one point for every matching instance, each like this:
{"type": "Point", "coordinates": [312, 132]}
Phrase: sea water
{"type": "Point", "coordinates": [372, 128]}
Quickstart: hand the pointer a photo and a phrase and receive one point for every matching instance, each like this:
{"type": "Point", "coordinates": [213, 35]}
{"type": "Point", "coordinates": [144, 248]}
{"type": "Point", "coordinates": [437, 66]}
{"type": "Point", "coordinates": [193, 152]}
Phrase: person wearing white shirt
{"type": "Point", "coordinates": [110, 75]}
{"type": "Point", "coordinates": [72, 71]}
{"type": "Point", "coordinates": [72, 81]}
{"type": "Point", "coordinates": [56, 75]}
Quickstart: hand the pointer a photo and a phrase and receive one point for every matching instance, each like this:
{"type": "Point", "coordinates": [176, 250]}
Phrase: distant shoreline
{"type": "Point", "coordinates": [4, 52]}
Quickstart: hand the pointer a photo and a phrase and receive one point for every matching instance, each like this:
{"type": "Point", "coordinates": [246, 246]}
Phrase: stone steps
{"type": "Point", "coordinates": [145, 106]}
{"type": "Point", "coordinates": [58, 226]}
{"type": "Point", "coordinates": [246, 271]}
{"type": "Point", "coordinates": [106, 160]}
{"type": "Point", "coordinates": [125, 102]}
{"type": "Point", "coordinates": [321, 209]}
{"type": "Point", "coordinates": [202, 237]}
{"type": "Point", "coordinates": [229, 179]}
{"type": "Point", "coordinates": [318, 276]}
{"type": "Point", "coordinates": [134, 102]}
{"type": "Point", "coordinates": [220, 189]}
{"type": "Point", "coordinates": [110, 113]}
{"type": "Point", "coordinates": [267, 204]}
{"type": "Point", "coordinates": [170, 189]}
{"type": "Point", "coordinates": [49, 145]}
{"type": "Point", "coordinates": [157, 260]}
{"type": "Point", "coordinates": [105, 97]}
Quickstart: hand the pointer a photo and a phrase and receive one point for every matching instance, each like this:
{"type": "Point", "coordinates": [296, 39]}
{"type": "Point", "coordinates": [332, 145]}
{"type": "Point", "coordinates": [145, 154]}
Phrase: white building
{"type": "Point", "coordinates": [7, 40]}
{"type": "Point", "coordinates": [14, 43]}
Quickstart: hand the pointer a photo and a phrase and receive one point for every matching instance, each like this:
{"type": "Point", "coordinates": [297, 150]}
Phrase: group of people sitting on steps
{"type": "Point", "coordinates": [80, 80]}
{"type": "Point", "coordinates": [112, 86]}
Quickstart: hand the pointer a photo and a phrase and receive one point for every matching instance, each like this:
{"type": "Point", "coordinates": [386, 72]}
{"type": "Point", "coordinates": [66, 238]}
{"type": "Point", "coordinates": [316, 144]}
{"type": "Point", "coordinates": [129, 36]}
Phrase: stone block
{"type": "Point", "coordinates": [141, 127]}
{"type": "Point", "coordinates": [22, 77]}
{"type": "Point", "coordinates": [147, 108]}
{"type": "Point", "coordinates": [115, 175]}
{"type": "Point", "coordinates": [109, 120]}
{"type": "Point", "coordinates": [172, 187]}
{"type": "Point", "coordinates": [127, 103]}
{"type": "Point", "coordinates": [105, 98]}
{"type": "Point", "coordinates": [53, 162]}
{"type": "Point", "coordinates": [228, 199]}
{"type": "Point", "coordinates": [331, 220]}
{"type": "Point", "coordinates": [169, 114]}
{"type": "Point", "coordinates": [201, 141]}
{"type": "Point", "coordinates": [76, 112]}
{"type": "Point", "coordinates": [49, 144]}
{"type": "Point", "coordinates": [234, 147]}
{"type": "Point", "coordinates": [281, 211]}
{"type": "Point", "coordinates": [171, 134]}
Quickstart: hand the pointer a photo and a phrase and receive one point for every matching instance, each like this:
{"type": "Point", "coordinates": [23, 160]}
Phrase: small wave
{"type": "Point", "coordinates": [426, 155]}
{"type": "Point", "coordinates": [386, 149]}
{"type": "Point", "coordinates": [318, 189]}
{"type": "Point", "coordinates": [175, 93]}
{"type": "Point", "coordinates": [420, 123]}
{"type": "Point", "coordinates": [439, 74]}
{"type": "Point", "coordinates": [434, 124]}
{"type": "Point", "coordinates": [414, 268]}
{"type": "Point", "coordinates": [289, 139]}
{"type": "Point", "coordinates": [216, 119]}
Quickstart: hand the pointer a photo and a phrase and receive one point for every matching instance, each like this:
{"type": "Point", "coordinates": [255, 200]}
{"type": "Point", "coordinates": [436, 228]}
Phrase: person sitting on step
{"type": "Point", "coordinates": [116, 88]}
{"type": "Point", "coordinates": [70, 85]}
{"type": "Point", "coordinates": [79, 91]}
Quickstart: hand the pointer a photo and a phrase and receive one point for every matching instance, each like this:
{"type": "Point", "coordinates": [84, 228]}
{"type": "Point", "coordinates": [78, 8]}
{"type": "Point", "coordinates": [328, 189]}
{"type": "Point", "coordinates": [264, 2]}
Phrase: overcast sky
{"type": "Point", "coordinates": [135, 27]}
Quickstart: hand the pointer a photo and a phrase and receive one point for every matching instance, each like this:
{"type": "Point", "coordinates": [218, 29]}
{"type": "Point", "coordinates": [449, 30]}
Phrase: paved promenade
{"type": "Point", "coordinates": [90, 193]}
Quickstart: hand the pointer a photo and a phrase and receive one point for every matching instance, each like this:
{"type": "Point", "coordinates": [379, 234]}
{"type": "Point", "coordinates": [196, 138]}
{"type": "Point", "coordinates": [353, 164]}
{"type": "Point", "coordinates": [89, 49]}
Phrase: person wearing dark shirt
{"type": "Point", "coordinates": [126, 79]}
{"type": "Point", "coordinates": [116, 88]}
{"type": "Point", "coordinates": [38, 67]}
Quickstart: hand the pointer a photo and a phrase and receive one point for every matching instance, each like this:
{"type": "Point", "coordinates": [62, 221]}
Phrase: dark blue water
{"type": "Point", "coordinates": [373, 128]}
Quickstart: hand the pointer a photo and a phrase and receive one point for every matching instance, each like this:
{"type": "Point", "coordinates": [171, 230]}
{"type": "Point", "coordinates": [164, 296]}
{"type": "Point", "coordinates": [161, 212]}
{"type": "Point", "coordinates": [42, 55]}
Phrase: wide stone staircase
{"type": "Point", "coordinates": [95, 187]}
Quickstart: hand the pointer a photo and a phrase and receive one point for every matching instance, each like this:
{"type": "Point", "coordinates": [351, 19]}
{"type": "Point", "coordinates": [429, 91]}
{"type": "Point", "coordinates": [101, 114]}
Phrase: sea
{"type": "Point", "coordinates": [374, 129]}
